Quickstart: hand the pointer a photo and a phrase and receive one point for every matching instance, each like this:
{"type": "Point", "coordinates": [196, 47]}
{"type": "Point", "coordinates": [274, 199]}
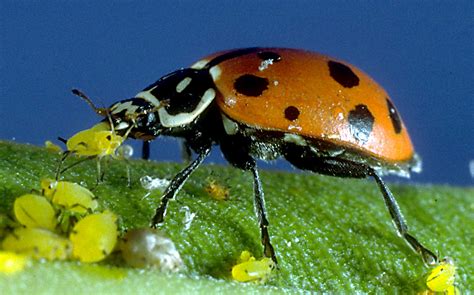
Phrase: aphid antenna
{"type": "Point", "coordinates": [99, 111]}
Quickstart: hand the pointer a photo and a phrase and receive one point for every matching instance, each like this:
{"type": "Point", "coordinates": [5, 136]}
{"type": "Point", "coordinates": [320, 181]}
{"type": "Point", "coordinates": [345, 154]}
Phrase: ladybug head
{"type": "Point", "coordinates": [174, 102]}
{"type": "Point", "coordinates": [136, 118]}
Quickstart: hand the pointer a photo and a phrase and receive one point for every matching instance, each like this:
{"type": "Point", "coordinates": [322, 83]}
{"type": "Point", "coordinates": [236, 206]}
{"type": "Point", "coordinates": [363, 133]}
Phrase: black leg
{"type": "Point", "coordinates": [259, 203]}
{"type": "Point", "coordinates": [186, 152]}
{"type": "Point", "coordinates": [146, 150]}
{"type": "Point", "coordinates": [236, 150]}
{"type": "Point", "coordinates": [176, 185]}
{"type": "Point", "coordinates": [428, 256]}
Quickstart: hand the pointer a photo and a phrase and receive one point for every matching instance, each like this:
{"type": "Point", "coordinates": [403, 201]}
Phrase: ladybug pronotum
{"type": "Point", "coordinates": [317, 112]}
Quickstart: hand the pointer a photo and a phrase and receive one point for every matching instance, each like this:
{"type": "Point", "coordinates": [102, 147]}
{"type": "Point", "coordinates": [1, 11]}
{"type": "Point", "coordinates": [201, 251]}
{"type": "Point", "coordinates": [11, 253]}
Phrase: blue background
{"type": "Point", "coordinates": [420, 51]}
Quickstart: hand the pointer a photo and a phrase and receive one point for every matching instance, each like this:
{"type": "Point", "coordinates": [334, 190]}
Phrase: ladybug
{"type": "Point", "coordinates": [319, 113]}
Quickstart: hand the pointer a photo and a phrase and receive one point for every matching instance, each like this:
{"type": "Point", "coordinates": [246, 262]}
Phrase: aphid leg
{"type": "Point", "coordinates": [429, 258]}
{"type": "Point", "coordinates": [74, 164]}
{"type": "Point", "coordinates": [176, 185]}
{"type": "Point", "coordinates": [259, 203]}
{"type": "Point", "coordinates": [146, 150]}
{"type": "Point", "coordinates": [129, 174]}
{"type": "Point", "coordinates": [100, 172]}
{"type": "Point", "coordinates": [60, 164]}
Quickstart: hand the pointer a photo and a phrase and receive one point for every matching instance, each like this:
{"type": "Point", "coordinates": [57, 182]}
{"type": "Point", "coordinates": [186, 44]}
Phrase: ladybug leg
{"type": "Point", "coordinates": [176, 185]}
{"type": "Point", "coordinates": [146, 150]}
{"type": "Point", "coordinates": [428, 256]}
{"type": "Point", "coordinates": [236, 150]}
{"type": "Point", "coordinates": [186, 152]}
{"type": "Point", "coordinates": [259, 203]}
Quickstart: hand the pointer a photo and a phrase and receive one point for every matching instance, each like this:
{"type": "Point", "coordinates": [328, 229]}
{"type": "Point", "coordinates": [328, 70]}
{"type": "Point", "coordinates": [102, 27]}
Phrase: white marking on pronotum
{"type": "Point", "coordinates": [293, 138]}
{"type": "Point", "coordinates": [168, 120]}
{"type": "Point", "coordinates": [215, 72]}
{"type": "Point", "coordinates": [146, 95]}
{"type": "Point", "coordinates": [127, 106]}
{"type": "Point", "coordinates": [199, 64]}
{"type": "Point", "coordinates": [230, 126]}
{"type": "Point", "coordinates": [183, 84]}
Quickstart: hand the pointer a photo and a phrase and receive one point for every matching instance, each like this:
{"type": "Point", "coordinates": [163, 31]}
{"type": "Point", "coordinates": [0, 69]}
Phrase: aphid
{"type": "Point", "coordinates": [217, 191]}
{"type": "Point", "coordinates": [442, 276]}
{"type": "Point", "coordinates": [37, 243]}
{"type": "Point", "coordinates": [249, 269]}
{"type": "Point", "coordinates": [98, 142]}
{"type": "Point", "coordinates": [146, 247]}
{"type": "Point", "coordinates": [50, 146]}
{"type": "Point", "coordinates": [94, 237]}
{"type": "Point", "coordinates": [319, 113]}
{"type": "Point", "coordinates": [69, 195]}
{"type": "Point", "coordinates": [11, 262]}
{"type": "Point", "coordinates": [35, 211]}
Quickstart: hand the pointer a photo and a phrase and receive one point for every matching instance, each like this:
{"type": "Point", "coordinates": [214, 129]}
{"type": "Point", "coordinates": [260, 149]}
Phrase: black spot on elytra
{"type": "Point", "coordinates": [396, 121]}
{"type": "Point", "coordinates": [292, 113]}
{"type": "Point", "coordinates": [361, 122]}
{"type": "Point", "coordinates": [343, 74]}
{"type": "Point", "coordinates": [266, 55]}
{"type": "Point", "coordinates": [250, 85]}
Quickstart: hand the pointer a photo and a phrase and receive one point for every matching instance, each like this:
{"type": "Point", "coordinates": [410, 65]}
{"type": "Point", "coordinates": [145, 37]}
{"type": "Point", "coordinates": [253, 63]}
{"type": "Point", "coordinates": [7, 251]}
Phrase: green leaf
{"type": "Point", "coordinates": [331, 235]}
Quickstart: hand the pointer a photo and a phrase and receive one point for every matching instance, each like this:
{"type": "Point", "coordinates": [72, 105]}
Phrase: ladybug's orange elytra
{"type": "Point", "coordinates": [313, 95]}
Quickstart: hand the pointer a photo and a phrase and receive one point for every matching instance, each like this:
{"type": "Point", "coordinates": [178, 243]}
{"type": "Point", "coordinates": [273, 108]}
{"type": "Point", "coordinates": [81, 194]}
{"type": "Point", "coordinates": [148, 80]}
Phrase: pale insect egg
{"type": "Point", "coordinates": [148, 247]}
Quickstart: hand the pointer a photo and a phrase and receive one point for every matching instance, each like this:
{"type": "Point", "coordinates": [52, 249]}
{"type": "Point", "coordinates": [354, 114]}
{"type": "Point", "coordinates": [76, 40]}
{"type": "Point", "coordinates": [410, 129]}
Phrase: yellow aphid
{"type": "Point", "coordinates": [37, 243]}
{"type": "Point", "coordinates": [217, 191]}
{"type": "Point", "coordinates": [96, 141]}
{"type": "Point", "coordinates": [52, 147]}
{"type": "Point", "coordinates": [35, 211]}
{"type": "Point", "coordinates": [442, 276]}
{"type": "Point", "coordinates": [11, 262]}
{"type": "Point", "coordinates": [94, 237]}
{"type": "Point", "coordinates": [69, 195]}
{"type": "Point", "coordinates": [453, 290]}
{"type": "Point", "coordinates": [249, 269]}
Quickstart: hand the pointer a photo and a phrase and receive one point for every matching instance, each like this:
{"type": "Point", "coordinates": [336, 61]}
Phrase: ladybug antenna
{"type": "Point", "coordinates": [100, 111]}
